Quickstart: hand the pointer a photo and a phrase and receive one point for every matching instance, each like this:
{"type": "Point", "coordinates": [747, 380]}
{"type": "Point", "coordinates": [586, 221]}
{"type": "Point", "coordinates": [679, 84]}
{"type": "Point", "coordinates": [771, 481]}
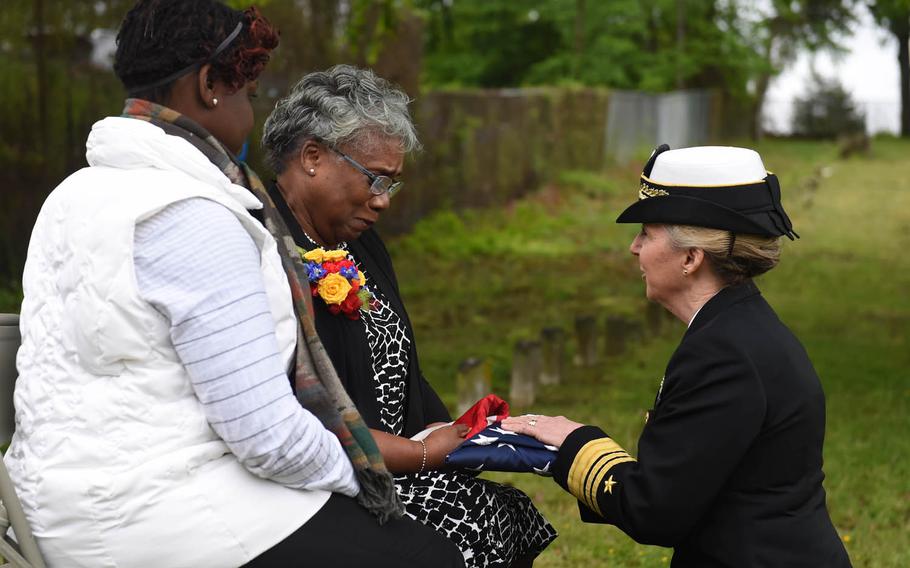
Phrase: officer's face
{"type": "Point", "coordinates": [661, 264]}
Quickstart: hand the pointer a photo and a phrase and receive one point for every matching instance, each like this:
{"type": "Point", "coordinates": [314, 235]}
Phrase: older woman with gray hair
{"type": "Point", "coordinates": [337, 143]}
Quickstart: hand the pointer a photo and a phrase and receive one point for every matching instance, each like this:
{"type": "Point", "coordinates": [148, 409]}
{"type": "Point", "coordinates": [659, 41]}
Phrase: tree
{"type": "Point", "coordinates": [826, 111]}
{"type": "Point", "coordinates": [652, 45]}
{"type": "Point", "coordinates": [52, 91]}
{"type": "Point", "coordinates": [789, 27]}
{"type": "Point", "coordinates": [894, 15]}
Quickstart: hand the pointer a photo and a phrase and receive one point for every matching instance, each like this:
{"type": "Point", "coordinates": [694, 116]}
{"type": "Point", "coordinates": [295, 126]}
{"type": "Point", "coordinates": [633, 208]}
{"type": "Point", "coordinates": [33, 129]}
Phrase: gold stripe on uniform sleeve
{"type": "Point", "coordinates": [584, 475]}
{"type": "Point", "coordinates": [584, 461]}
{"type": "Point", "coordinates": [602, 461]}
{"type": "Point", "coordinates": [614, 461]}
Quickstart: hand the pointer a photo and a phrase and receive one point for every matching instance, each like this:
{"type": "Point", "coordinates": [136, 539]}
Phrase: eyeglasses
{"type": "Point", "coordinates": [379, 184]}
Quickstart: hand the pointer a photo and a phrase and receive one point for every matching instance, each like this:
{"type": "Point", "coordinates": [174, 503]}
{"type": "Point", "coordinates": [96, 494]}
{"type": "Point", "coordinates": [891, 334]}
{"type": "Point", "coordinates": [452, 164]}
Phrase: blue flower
{"type": "Point", "coordinates": [314, 271]}
{"type": "Point", "coordinates": [349, 272]}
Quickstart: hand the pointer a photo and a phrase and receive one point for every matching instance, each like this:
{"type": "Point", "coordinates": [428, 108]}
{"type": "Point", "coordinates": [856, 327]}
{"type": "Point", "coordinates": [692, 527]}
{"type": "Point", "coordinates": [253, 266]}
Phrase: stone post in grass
{"type": "Point", "coordinates": [527, 361]}
{"type": "Point", "coordinates": [553, 341]}
{"type": "Point", "coordinates": [618, 331]}
{"type": "Point", "coordinates": [654, 315]}
{"type": "Point", "coordinates": [586, 336]}
{"type": "Point", "coordinates": [635, 331]}
{"type": "Point", "coordinates": [472, 383]}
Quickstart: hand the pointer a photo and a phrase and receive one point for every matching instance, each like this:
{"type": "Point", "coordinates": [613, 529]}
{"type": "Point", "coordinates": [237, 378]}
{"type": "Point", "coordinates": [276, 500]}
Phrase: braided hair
{"type": "Point", "coordinates": [161, 37]}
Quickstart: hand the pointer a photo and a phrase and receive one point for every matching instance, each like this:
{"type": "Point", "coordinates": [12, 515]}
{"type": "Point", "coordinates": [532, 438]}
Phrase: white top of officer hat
{"type": "Point", "coordinates": [707, 166]}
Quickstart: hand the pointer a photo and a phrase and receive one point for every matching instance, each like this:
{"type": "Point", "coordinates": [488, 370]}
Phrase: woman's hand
{"type": "Point", "coordinates": [552, 430]}
{"type": "Point", "coordinates": [441, 443]}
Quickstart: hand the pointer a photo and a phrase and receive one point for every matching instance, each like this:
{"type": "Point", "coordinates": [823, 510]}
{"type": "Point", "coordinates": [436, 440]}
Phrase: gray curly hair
{"type": "Point", "coordinates": [341, 106]}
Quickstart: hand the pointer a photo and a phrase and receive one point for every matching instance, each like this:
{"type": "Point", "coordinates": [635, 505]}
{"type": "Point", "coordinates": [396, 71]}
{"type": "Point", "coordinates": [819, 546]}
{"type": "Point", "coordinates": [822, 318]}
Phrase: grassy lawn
{"type": "Point", "coordinates": [477, 282]}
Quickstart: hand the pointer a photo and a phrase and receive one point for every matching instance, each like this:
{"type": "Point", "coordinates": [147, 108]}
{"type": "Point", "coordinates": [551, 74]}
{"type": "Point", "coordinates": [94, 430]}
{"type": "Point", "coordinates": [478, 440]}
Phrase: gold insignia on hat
{"type": "Point", "coordinates": [609, 483]}
{"type": "Point", "coordinates": [645, 191]}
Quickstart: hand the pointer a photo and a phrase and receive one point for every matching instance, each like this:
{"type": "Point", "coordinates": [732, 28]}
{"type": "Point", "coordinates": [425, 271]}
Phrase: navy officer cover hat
{"type": "Point", "coordinates": [718, 187]}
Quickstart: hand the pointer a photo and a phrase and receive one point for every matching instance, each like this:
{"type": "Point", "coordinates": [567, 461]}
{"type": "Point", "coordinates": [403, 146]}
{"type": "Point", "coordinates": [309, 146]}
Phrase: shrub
{"type": "Point", "coordinates": [826, 111]}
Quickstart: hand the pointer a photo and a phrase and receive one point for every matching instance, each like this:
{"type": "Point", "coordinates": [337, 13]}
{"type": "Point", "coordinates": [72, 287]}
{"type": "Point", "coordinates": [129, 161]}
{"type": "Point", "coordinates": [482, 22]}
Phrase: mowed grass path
{"type": "Point", "coordinates": [475, 283]}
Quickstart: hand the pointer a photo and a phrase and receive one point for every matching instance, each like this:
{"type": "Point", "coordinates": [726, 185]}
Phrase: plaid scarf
{"type": "Point", "coordinates": [315, 379]}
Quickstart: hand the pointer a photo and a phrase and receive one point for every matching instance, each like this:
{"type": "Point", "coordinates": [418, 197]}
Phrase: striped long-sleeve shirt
{"type": "Point", "coordinates": [200, 268]}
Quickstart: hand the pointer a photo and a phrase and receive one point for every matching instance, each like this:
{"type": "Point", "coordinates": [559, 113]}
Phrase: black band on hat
{"type": "Point", "coordinates": [745, 198]}
{"type": "Point", "coordinates": [685, 210]}
{"type": "Point", "coordinates": [180, 73]}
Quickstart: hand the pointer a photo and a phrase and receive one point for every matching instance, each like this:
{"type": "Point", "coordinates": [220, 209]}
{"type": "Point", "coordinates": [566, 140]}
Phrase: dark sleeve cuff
{"type": "Point", "coordinates": [589, 516]}
{"type": "Point", "coordinates": [567, 452]}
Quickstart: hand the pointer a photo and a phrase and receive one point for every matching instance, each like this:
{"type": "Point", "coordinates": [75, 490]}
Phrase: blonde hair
{"type": "Point", "coordinates": [751, 255]}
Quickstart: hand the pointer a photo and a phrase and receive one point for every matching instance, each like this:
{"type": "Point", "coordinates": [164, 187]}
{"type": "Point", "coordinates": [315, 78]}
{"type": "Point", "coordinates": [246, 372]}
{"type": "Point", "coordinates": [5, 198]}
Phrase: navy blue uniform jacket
{"type": "Point", "coordinates": [729, 465]}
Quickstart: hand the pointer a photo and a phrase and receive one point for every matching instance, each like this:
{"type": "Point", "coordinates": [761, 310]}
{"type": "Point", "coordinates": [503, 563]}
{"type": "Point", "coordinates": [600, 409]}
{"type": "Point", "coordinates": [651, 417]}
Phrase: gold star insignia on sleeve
{"type": "Point", "coordinates": [591, 466]}
{"type": "Point", "coordinates": [609, 483]}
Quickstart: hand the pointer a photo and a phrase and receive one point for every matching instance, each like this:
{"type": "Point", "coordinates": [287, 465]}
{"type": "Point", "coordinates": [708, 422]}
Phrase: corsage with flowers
{"type": "Point", "coordinates": [337, 281]}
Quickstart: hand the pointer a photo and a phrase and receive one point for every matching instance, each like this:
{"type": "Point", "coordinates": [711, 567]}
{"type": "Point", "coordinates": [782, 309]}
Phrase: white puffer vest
{"type": "Point", "coordinates": [112, 456]}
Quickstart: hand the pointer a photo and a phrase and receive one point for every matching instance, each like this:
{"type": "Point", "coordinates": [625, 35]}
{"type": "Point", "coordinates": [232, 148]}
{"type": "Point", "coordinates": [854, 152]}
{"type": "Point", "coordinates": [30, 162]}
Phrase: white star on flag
{"type": "Point", "coordinates": [482, 440]}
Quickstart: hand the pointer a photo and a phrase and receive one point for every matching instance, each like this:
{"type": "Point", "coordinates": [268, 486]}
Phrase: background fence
{"type": "Point", "coordinates": [881, 116]}
{"type": "Point", "coordinates": [482, 147]}
{"type": "Point", "coordinates": [485, 147]}
{"type": "Point", "coordinates": [642, 120]}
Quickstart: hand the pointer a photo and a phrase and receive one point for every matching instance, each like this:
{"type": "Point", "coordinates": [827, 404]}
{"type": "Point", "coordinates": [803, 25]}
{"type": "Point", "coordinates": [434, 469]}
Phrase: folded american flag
{"type": "Point", "coordinates": [490, 447]}
{"type": "Point", "coordinates": [482, 413]}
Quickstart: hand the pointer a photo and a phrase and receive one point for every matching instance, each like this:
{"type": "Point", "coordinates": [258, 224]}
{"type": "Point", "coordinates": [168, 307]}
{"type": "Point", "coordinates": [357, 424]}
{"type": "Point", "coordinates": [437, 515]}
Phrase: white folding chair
{"type": "Point", "coordinates": [21, 552]}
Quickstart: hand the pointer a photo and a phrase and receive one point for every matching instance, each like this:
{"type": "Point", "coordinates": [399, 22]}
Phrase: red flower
{"type": "Point", "coordinates": [351, 304]}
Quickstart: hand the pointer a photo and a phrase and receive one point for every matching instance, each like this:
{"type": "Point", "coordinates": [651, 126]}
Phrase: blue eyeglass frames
{"type": "Point", "coordinates": [379, 184]}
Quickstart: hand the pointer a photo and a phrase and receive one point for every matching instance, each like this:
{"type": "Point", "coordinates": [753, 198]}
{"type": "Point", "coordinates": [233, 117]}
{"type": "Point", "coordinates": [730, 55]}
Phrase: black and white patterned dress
{"type": "Point", "coordinates": [491, 524]}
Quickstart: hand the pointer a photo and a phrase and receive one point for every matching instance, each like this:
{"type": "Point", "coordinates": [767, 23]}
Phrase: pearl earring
{"type": "Point", "coordinates": [214, 102]}
{"type": "Point", "coordinates": [685, 271]}
{"type": "Point", "coordinates": [312, 171]}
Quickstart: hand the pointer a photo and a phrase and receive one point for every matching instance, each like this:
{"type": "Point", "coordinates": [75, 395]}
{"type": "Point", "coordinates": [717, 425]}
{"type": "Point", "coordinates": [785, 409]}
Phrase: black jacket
{"type": "Point", "coordinates": [347, 346]}
{"type": "Point", "coordinates": [346, 342]}
{"type": "Point", "coordinates": [729, 466]}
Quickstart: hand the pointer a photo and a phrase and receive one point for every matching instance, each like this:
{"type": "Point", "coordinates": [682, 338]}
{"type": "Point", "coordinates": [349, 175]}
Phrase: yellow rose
{"type": "Point", "coordinates": [315, 255]}
{"type": "Point", "coordinates": [334, 255]}
{"type": "Point", "coordinates": [362, 278]}
{"type": "Point", "coordinates": [334, 288]}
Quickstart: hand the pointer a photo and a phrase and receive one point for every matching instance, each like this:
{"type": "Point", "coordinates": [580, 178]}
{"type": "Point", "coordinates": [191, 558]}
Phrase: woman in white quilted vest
{"type": "Point", "coordinates": [155, 421]}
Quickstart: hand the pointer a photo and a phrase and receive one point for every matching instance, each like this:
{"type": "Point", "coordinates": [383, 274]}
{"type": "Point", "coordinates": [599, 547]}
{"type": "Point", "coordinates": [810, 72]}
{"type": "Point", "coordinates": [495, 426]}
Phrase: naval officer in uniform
{"type": "Point", "coordinates": [729, 465]}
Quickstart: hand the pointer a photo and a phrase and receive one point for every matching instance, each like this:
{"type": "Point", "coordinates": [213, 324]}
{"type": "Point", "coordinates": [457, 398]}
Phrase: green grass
{"type": "Point", "coordinates": [476, 282]}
